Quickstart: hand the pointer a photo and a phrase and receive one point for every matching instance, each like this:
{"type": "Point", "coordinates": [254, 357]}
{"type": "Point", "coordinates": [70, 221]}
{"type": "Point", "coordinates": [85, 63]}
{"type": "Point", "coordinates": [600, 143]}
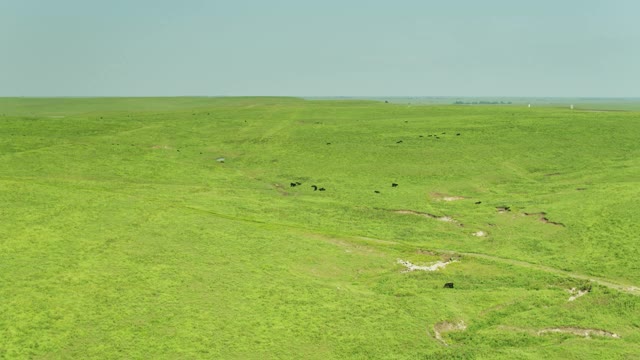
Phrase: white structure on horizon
{"type": "Point", "coordinates": [571, 106]}
{"type": "Point", "coordinates": [529, 105]}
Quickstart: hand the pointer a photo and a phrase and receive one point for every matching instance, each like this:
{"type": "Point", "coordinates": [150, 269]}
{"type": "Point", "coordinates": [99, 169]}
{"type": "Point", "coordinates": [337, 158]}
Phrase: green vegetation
{"type": "Point", "coordinates": [122, 236]}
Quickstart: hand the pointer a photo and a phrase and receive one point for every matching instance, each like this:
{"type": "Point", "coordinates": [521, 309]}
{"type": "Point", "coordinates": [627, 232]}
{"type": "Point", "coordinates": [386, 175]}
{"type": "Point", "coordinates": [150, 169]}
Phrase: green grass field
{"type": "Point", "coordinates": [123, 237]}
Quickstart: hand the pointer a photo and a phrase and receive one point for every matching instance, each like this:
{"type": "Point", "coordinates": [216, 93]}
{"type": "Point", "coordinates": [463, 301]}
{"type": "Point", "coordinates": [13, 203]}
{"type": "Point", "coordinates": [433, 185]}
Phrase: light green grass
{"type": "Point", "coordinates": [121, 236]}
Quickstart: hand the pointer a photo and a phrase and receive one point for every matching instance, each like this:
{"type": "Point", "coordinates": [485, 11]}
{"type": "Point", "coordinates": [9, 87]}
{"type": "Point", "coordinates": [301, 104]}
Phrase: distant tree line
{"type": "Point", "coordinates": [482, 102]}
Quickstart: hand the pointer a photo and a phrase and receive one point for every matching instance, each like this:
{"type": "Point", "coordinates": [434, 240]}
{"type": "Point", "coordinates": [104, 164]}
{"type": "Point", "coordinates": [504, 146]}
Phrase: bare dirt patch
{"type": "Point", "coordinates": [445, 197]}
{"type": "Point", "coordinates": [446, 326]}
{"type": "Point", "coordinates": [281, 189]}
{"type": "Point", "coordinates": [584, 332]}
{"type": "Point", "coordinates": [433, 267]}
{"type": "Point", "coordinates": [479, 233]}
{"type": "Point", "coordinates": [444, 218]}
{"type": "Point", "coordinates": [579, 331]}
{"type": "Point", "coordinates": [576, 293]}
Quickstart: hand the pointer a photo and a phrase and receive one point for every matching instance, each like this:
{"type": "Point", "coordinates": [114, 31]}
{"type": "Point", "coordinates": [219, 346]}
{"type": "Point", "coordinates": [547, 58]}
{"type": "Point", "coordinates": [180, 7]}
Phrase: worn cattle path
{"type": "Point", "coordinates": [634, 290]}
{"type": "Point", "coordinates": [629, 289]}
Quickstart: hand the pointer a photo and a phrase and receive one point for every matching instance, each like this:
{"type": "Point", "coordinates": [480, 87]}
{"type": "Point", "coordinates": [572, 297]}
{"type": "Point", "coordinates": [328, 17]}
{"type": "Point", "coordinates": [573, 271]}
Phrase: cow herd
{"type": "Point", "coordinates": [316, 188]}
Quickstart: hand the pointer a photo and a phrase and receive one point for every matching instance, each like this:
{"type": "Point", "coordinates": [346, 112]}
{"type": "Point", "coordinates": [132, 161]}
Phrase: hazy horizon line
{"type": "Point", "coordinates": [324, 96]}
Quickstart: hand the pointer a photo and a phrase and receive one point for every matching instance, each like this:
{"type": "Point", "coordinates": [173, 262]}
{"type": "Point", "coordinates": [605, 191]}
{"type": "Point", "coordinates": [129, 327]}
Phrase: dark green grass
{"type": "Point", "coordinates": [123, 237]}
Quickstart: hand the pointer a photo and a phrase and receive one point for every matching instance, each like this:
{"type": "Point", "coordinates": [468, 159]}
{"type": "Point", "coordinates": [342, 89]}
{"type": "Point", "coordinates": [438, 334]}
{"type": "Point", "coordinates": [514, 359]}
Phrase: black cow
{"type": "Point", "coordinates": [478, 202]}
{"type": "Point", "coordinates": [314, 187]}
{"type": "Point", "coordinates": [448, 286]}
{"type": "Point", "coordinates": [399, 142]}
{"type": "Point", "coordinates": [458, 134]}
{"type": "Point", "coordinates": [394, 185]}
{"type": "Point", "coordinates": [292, 184]}
{"type": "Point", "coordinates": [376, 191]}
{"type": "Point", "coordinates": [322, 189]}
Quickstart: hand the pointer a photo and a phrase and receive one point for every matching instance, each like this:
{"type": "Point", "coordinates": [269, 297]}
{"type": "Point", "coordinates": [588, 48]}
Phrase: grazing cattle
{"type": "Point", "coordinates": [458, 134]}
{"type": "Point", "coordinates": [420, 136]}
{"type": "Point", "coordinates": [328, 143]}
{"type": "Point", "coordinates": [399, 142]}
{"type": "Point", "coordinates": [322, 189]}
{"type": "Point", "coordinates": [478, 202]}
{"type": "Point", "coordinates": [448, 286]}
{"type": "Point", "coordinates": [376, 191]}
{"type": "Point", "coordinates": [386, 102]}
{"type": "Point", "coordinates": [314, 187]}
{"type": "Point", "coordinates": [292, 184]}
{"type": "Point", "coordinates": [443, 133]}
{"type": "Point", "coordinates": [394, 185]}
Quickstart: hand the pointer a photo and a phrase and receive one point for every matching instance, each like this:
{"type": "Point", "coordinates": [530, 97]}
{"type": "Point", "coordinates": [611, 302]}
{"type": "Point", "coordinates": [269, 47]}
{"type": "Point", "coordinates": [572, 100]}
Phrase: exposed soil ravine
{"type": "Point", "coordinates": [434, 267]}
{"type": "Point", "coordinates": [584, 332]}
{"type": "Point", "coordinates": [579, 331]}
{"type": "Point", "coordinates": [542, 217]}
{"type": "Point", "coordinates": [575, 293]}
{"type": "Point", "coordinates": [429, 216]}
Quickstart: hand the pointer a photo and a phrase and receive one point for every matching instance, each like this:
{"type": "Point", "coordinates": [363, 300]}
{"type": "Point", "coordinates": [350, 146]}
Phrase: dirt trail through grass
{"type": "Point", "coordinates": [630, 289]}
{"type": "Point", "coordinates": [634, 290]}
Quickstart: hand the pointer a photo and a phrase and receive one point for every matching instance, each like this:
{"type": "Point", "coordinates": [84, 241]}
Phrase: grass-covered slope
{"type": "Point", "coordinates": [122, 235]}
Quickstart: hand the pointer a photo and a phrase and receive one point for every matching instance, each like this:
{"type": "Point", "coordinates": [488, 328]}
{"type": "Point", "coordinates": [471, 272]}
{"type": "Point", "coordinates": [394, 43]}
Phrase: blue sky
{"type": "Point", "coordinates": [320, 48]}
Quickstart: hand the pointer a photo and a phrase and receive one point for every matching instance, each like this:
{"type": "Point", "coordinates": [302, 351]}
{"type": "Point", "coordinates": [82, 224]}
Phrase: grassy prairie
{"type": "Point", "coordinates": [122, 236]}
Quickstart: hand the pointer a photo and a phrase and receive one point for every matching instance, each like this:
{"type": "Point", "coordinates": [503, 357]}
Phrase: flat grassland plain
{"type": "Point", "coordinates": [170, 229]}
